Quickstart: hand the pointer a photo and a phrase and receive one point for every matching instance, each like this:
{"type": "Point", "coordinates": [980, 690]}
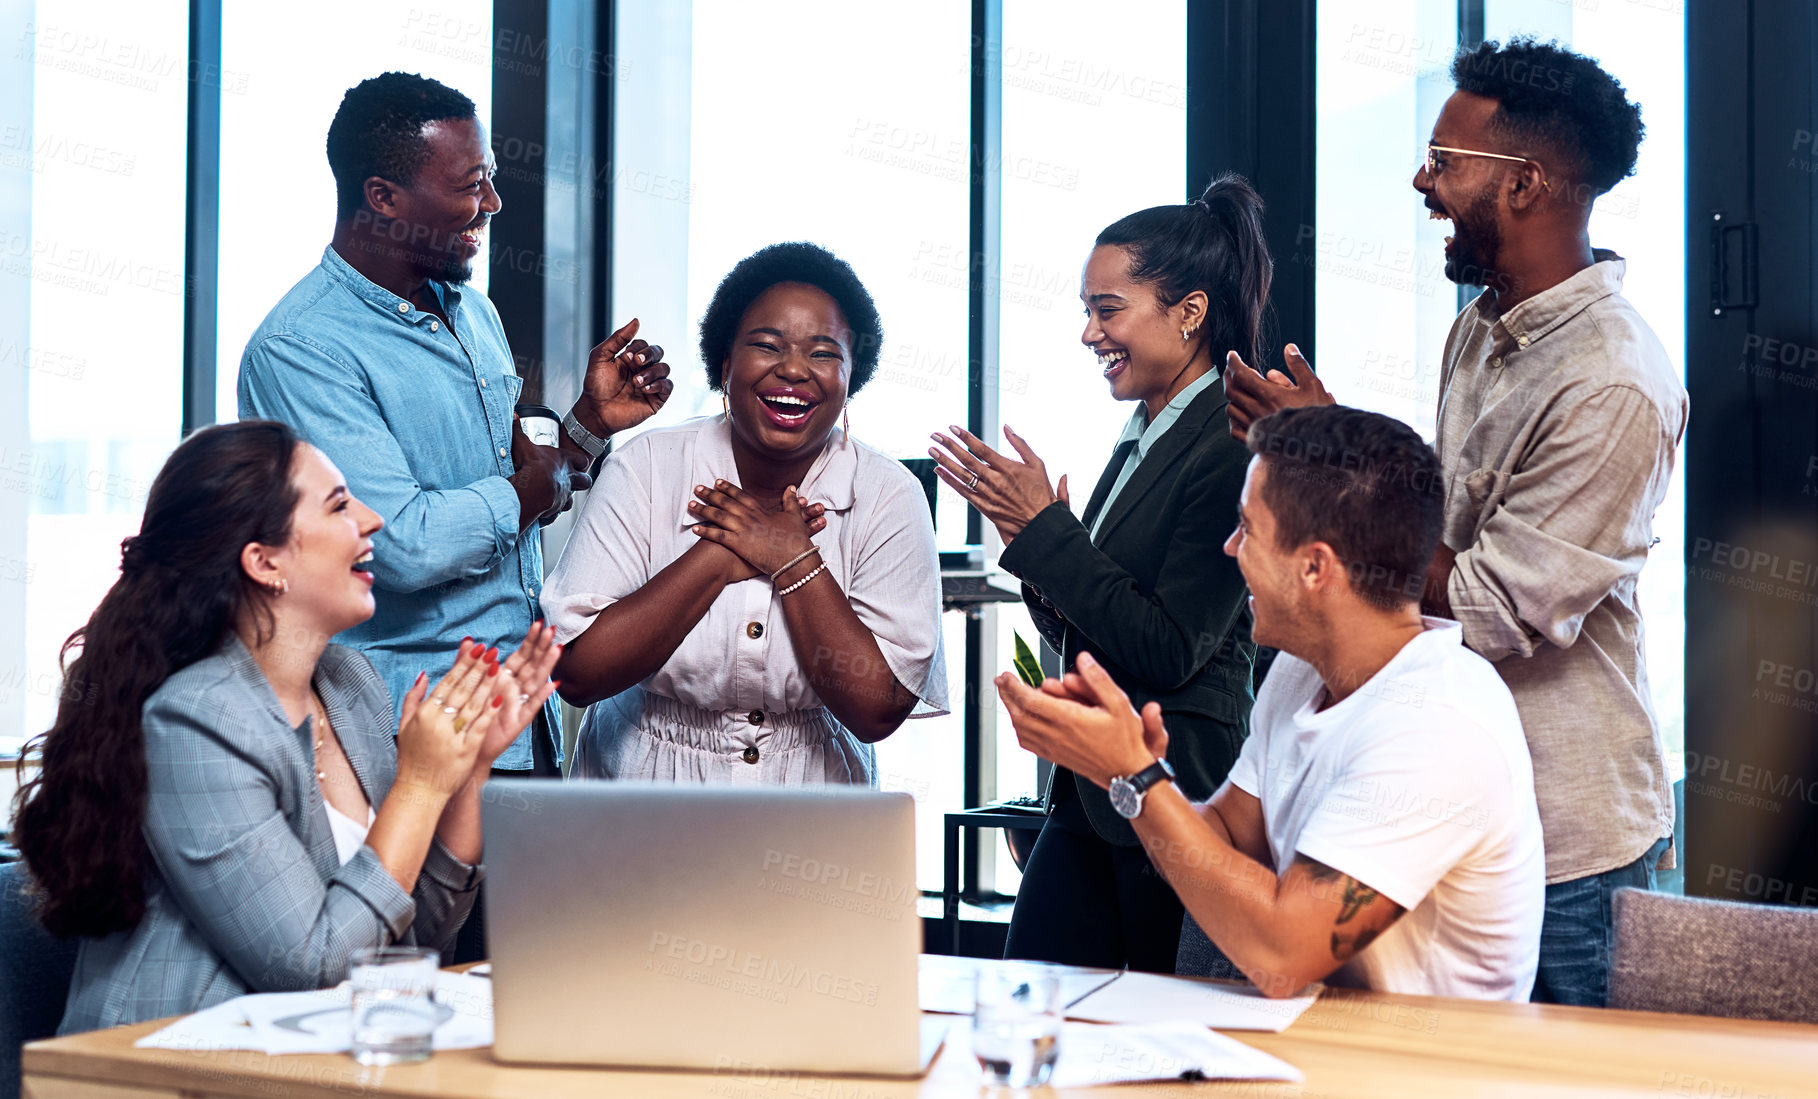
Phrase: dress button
{"type": "Point", "coordinates": [403, 307]}
{"type": "Point", "coordinates": [755, 630]}
{"type": "Point", "coordinates": [751, 755]}
{"type": "Point", "coordinates": [435, 326]}
{"type": "Point", "coordinates": [502, 452]}
{"type": "Point", "coordinates": [756, 717]}
{"type": "Point", "coordinates": [1521, 341]}
{"type": "Point", "coordinates": [482, 383]}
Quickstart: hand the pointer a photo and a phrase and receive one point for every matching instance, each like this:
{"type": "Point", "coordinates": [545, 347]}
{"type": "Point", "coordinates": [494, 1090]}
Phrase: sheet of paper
{"type": "Point", "coordinates": [1092, 1055]}
{"type": "Point", "coordinates": [1153, 998]}
{"type": "Point", "coordinates": [317, 1022]}
{"type": "Point", "coordinates": [946, 982]}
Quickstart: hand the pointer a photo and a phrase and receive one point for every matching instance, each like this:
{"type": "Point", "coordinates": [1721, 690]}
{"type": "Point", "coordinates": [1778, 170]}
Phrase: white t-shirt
{"type": "Point", "coordinates": [1419, 786]}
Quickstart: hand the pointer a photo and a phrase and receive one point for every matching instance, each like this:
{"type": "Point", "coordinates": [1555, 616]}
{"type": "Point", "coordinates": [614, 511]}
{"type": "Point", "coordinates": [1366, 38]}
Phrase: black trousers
{"type": "Point", "coordinates": [470, 944]}
{"type": "Point", "coordinates": [1085, 901]}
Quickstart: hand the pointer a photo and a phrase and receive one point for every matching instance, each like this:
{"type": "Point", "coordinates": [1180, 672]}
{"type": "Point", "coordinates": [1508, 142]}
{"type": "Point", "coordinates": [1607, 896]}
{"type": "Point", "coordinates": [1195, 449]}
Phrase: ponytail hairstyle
{"type": "Point", "coordinates": [1215, 244]}
{"type": "Point", "coordinates": [181, 589]}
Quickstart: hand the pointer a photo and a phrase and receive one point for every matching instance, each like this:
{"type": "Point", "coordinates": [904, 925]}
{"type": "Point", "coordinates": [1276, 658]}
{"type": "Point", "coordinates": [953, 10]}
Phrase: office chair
{"type": "Point", "coordinates": [35, 971]}
{"type": "Point", "coordinates": [1199, 956]}
{"type": "Point", "coordinates": [1707, 957]}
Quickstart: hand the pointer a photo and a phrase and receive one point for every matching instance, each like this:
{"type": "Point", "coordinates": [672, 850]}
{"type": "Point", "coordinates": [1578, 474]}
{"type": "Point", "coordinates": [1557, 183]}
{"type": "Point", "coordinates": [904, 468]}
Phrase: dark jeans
{"type": "Point", "coordinates": [470, 944]}
{"type": "Point", "coordinates": [1084, 901]}
{"type": "Point", "coordinates": [1578, 934]}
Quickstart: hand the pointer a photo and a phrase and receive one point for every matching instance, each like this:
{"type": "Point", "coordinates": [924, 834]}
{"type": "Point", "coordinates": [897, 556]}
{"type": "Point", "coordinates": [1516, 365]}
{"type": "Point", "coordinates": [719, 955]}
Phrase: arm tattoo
{"type": "Point", "coordinates": [1344, 951]}
{"type": "Point", "coordinates": [1357, 897]}
{"type": "Point", "coordinates": [1319, 870]}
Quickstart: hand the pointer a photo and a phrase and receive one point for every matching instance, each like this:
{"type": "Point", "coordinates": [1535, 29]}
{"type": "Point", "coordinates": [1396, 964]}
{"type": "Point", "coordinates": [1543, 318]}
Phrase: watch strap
{"type": "Point", "coordinates": [583, 438]}
{"type": "Point", "coordinates": [1159, 771]}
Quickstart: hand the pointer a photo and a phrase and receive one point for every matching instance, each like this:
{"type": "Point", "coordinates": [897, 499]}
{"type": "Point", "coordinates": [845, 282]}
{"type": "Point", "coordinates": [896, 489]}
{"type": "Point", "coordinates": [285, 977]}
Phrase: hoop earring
{"type": "Point", "coordinates": [726, 407]}
{"type": "Point", "coordinates": [279, 587]}
{"type": "Point", "coordinates": [846, 421]}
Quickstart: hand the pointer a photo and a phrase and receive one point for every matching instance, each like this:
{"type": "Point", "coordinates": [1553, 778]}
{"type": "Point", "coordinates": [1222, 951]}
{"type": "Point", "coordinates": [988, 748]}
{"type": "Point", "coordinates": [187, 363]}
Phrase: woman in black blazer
{"type": "Point", "coordinates": [1140, 579]}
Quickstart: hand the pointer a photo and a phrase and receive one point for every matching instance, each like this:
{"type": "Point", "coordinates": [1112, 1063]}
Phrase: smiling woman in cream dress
{"type": "Point", "coordinates": [754, 597]}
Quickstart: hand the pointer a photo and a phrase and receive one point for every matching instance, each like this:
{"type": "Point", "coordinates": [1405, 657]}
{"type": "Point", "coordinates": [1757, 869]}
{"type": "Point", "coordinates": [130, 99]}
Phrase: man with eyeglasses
{"type": "Point", "coordinates": [1559, 416]}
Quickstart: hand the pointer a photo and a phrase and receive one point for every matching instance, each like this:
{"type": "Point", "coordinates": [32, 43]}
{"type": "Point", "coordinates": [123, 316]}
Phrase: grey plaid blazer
{"type": "Point", "coordinates": [244, 890]}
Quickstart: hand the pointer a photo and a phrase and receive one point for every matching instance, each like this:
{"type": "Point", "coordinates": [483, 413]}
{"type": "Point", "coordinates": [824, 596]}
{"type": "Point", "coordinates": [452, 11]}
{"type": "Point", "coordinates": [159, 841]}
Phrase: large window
{"type": "Point", "coordinates": [738, 129]}
{"type": "Point", "coordinates": [1384, 305]}
{"type": "Point", "coordinates": [92, 144]}
{"type": "Point", "coordinates": [1095, 127]}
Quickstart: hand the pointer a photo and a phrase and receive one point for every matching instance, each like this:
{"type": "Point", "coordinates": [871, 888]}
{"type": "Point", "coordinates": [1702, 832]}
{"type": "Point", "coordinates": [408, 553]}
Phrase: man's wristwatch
{"type": "Point", "coordinates": [583, 438]}
{"type": "Point", "coordinates": [1127, 791]}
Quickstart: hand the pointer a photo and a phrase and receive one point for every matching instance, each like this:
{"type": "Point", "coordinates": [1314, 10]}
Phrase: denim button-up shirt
{"type": "Point", "coordinates": [417, 415]}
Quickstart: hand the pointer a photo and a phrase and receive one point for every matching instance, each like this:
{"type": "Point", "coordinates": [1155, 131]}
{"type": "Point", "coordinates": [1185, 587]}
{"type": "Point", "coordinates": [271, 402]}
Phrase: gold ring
{"type": "Point", "coordinates": [460, 723]}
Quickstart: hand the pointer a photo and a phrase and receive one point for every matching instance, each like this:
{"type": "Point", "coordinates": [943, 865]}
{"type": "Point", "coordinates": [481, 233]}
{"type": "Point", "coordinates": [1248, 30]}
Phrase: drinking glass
{"type": "Point", "coordinates": [394, 1009]}
{"type": "Point", "coordinates": [1016, 1024]}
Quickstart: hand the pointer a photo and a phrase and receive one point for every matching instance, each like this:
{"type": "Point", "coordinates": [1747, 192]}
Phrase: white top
{"type": "Point", "coordinates": [1418, 785]}
{"type": "Point", "coordinates": [349, 833]}
{"type": "Point", "coordinates": [732, 703]}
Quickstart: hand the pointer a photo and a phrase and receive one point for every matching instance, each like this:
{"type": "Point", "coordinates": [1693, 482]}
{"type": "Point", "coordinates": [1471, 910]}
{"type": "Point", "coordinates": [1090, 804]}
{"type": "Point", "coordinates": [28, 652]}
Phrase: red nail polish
{"type": "Point", "coordinates": [495, 702]}
{"type": "Point", "coordinates": [492, 655]}
{"type": "Point", "coordinates": [555, 683]}
{"type": "Point", "coordinates": [492, 671]}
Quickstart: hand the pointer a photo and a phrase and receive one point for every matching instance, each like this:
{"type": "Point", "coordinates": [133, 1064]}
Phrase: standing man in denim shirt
{"type": "Point", "coordinates": [407, 383]}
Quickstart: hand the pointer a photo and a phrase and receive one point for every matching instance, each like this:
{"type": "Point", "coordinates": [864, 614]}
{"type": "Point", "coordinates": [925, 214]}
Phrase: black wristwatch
{"type": "Point", "coordinates": [1127, 791]}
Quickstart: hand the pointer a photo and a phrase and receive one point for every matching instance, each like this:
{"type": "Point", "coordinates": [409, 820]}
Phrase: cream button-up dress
{"type": "Point", "coordinates": [732, 703]}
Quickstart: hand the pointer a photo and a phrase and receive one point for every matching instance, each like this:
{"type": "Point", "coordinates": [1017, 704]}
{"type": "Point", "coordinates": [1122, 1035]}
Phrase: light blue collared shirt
{"type": "Point", "coordinates": [417, 415]}
{"type": "Point", "coordinates": [1145, 434]}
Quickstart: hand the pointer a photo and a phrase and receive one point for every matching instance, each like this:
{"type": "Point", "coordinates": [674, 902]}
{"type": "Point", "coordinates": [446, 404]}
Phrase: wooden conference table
{"type": "Point", "coordinates": [1349, 1044]}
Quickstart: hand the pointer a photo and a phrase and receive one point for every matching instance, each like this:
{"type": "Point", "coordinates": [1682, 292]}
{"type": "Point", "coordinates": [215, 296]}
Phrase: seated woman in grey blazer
{"type": "Point", "coordinates": [222, 808]}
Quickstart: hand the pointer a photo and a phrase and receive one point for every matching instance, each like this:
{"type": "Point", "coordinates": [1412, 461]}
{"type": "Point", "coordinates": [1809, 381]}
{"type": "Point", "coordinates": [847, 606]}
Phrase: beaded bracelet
{"type": "Point", "coordinates": [816, 571]}
{"type": "Point", "coordinates": [794, 561]}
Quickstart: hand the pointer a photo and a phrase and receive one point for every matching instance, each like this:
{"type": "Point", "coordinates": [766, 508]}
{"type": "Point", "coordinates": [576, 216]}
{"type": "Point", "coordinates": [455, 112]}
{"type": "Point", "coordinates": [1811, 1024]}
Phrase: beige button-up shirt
{"type": "Point", "coordinates": [1558, 422]}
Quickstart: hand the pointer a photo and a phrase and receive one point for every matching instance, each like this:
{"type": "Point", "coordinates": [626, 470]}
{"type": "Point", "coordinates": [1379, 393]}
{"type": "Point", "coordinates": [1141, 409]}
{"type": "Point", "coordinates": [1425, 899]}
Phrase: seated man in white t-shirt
{"type": "Point", "coordinates": [1379, 829]}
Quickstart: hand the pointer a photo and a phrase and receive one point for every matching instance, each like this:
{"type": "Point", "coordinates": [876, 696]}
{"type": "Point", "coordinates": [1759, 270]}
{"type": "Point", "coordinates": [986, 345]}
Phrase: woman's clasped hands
{"type": "Point", "coordinates": [454, 731]}
{"type": "Point", "coordinates": [759, 540]}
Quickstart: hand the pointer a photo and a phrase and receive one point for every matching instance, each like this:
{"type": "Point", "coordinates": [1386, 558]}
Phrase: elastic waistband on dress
{"type": "Point", "coordinates": [671, 719]}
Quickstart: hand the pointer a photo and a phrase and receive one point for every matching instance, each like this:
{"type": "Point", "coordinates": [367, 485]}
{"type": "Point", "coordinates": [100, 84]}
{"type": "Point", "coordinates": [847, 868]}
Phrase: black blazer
{"type": "Point", "coordinates": [1155, 599]}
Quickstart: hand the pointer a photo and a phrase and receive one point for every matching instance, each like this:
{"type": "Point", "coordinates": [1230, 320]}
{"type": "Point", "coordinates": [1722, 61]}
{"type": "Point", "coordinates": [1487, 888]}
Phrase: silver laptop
{"type": "Point", "coordinates": [720, 928]}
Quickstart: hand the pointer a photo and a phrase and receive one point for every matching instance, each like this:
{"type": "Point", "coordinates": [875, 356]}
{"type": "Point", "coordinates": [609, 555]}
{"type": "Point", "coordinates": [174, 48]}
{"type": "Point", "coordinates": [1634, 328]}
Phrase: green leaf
{"type": "Point", "coordinates": [1028, 667]}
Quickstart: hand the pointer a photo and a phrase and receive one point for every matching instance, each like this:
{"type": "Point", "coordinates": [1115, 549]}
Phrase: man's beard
{"type": "Point", "coordinates": [452, 269]}
{"type": "Point", "coordinates": [1476, 240]}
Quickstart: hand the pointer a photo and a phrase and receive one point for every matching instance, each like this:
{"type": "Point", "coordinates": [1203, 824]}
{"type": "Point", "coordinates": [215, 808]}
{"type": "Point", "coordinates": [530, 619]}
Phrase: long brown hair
{"type": "Point", "coordinates": [181, 589]}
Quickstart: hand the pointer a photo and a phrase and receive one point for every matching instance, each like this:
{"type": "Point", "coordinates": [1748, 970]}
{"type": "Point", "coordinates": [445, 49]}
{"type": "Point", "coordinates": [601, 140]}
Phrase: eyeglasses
{"type": "Point", "coordinates": [1435, 164]}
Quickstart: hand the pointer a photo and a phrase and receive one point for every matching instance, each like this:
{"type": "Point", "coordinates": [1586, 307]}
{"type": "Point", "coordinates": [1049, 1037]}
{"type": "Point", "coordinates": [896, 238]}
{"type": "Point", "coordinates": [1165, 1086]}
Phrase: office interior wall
{"type": "Point", "coordinates": [1751, 558]}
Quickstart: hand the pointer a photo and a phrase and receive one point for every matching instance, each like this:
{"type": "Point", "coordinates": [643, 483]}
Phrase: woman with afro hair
{"type": "Point", "coordinates": [754, 597]}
